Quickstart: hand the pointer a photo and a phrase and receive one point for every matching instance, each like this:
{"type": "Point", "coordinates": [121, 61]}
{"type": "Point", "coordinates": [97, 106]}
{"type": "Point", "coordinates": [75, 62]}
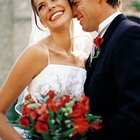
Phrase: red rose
{"type": "Point", "coordinates": [41, 109]}
{"type": "Point", "coordinates": [44, 118]}
{"type": "Point", "coordinates": [51, 94]}
{"type": "Point", "coordinates": [51, 104]}
{"type": "Point", "coordinates": [98, 41]}
{"type": "Point", "coordinates": [80, 119]}
{"type": "Point", "coordinates": [66, 98]}
{"type": "Point", "coordinates": [84, 104]}
{"type": "Point", "coordinates": [96, 125]}
{"type": "Point", "coordinates": [26, 110]}
{"type": "Point", "coordinates": [77, 110]}
{"type": "Point", "coordinates": [41, 127]}
{"type": "Point", "coordinates": [33, 114]}
{"type": "Point", "coordinates": [24, 121]}
{"type": "Point", "coordinates": [61, 102]}
{"type": "Point", "coordinates": [81, 127]}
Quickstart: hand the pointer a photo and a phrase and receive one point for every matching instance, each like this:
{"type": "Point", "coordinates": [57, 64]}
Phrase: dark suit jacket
{"type": "Point", "coordinates": [113, 82]}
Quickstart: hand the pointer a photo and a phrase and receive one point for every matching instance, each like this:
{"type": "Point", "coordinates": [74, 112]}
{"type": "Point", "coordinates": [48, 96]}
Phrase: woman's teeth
{"type": "Point", "coordinates": [56, 15]}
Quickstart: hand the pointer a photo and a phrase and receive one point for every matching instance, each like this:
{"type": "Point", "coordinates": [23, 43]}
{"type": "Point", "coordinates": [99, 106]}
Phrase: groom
{"type": "Point", "coordinates": [113, 77]}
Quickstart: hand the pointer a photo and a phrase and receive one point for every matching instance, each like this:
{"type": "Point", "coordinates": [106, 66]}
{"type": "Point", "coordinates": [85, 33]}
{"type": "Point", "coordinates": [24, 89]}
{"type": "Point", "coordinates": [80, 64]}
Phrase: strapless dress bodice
{"type": "Point", "coordinates": [60, 78]}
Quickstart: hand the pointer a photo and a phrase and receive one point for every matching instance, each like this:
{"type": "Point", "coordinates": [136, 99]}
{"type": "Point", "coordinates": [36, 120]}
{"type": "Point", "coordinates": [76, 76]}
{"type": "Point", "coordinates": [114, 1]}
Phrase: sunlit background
{"type": "Point", "coordinates": [15, 27]}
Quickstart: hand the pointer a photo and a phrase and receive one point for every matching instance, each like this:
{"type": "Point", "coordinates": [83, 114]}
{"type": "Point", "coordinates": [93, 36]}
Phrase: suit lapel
{"type": "Point", "coordinates": [106, 37]}
{"type": "Point", "coordinates": [110, 29]}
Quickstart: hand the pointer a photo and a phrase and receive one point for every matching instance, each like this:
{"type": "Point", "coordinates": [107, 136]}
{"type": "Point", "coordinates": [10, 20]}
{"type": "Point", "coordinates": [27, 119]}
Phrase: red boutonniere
{"type": "Point", "coordinates": [98, 41]}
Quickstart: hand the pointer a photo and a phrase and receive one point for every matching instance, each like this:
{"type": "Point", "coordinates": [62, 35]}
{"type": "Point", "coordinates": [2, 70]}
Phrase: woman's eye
{"type": "Point", "coordinates": [40, 7]}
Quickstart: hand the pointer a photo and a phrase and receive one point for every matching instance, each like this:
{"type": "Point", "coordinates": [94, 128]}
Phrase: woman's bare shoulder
{"type": "Point", "coordinates": [34, 57]}
{"type": "Point", "coordinates": [35, 51]}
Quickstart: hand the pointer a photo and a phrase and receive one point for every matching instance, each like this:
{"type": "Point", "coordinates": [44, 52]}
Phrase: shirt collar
{"type": "Point", "coordinates": [104, 25]}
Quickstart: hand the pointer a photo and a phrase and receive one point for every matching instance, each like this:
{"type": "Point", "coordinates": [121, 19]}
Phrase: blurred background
{"type": "Point", "coordinates": [15, 28]}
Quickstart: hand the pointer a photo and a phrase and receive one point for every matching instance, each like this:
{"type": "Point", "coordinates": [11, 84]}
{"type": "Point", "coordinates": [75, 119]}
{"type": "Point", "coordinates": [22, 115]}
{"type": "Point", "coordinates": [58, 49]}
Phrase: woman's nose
{"type": "Point", "coordinates": [51, 6]}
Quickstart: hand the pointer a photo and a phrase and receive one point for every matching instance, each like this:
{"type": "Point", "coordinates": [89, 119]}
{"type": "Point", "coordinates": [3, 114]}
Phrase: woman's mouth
{"type": "Point", "coordinates": [56, 15]}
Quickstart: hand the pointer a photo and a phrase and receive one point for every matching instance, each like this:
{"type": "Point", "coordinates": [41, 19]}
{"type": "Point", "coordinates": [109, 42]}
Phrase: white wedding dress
{"type": "Point", "coordinates": [57, 77]}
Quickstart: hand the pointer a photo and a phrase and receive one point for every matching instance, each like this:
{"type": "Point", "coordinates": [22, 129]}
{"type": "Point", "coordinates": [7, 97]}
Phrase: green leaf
{"type": "Point", "coordinates": [21, 104]}
{"type": "Point", "coordinates": [91, 117]}
{"type": "Point", "coordinates": [68, 132]}
{"type": "Point", "coordinates": [51, 124]}
{"type": "Point", "coordinates": [59, 115]}
{"type": "Point", "coordinates": [46, 136]}
{"type": "Point", "coordinates": [33, 106]}
{"type": "Point", "coordinates": [69, 104]}
{"type": "Point", "coordinates": [51, 114]}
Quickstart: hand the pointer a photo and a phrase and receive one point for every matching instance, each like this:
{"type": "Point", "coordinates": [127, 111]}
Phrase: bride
{"type": "Point", "coordinates": [53, 63]}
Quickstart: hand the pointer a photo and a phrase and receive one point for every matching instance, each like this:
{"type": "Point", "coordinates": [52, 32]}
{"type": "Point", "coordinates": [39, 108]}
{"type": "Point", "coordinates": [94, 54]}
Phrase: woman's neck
{"type": "Point", "coordinates": [62, 40]}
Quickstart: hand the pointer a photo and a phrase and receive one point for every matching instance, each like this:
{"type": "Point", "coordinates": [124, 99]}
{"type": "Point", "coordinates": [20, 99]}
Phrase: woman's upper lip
{"type": "Point", "coordinates": [55, 14]}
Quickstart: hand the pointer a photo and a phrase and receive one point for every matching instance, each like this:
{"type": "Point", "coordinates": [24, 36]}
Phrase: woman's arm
{"type": "Point", "coordinates": [29, 64]}
{"type": "Point", "coordinates": [7, 132]}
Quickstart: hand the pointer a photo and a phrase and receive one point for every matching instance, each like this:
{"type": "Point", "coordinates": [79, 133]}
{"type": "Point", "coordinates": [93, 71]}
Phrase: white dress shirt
{"type": "Point", "coordinates": [105, 24]}
{"type": "Point", "coordinates": [102, 29]}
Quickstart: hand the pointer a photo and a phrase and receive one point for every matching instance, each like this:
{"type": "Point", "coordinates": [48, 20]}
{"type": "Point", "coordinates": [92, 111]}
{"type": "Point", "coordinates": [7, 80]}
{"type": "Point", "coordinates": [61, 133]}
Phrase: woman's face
{"type": "Point", "coordinates": [53, 13]}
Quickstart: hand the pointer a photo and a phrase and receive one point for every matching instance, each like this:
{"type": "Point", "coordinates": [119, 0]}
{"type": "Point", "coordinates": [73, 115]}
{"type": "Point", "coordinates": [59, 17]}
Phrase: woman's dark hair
{"type": "Point", "coordinates": [114, 3]}
{"type": "Point", "coordinates": [35, 13]}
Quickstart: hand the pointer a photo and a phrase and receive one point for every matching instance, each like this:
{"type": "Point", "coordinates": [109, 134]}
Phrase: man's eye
{"type": "Point", "coordinates": [75, 3]}
{"type": "Point", "coordinates": [72, 3]}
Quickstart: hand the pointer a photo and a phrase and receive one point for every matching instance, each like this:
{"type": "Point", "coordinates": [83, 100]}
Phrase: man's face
{"type": "Point", "coordinates": [87, 12]}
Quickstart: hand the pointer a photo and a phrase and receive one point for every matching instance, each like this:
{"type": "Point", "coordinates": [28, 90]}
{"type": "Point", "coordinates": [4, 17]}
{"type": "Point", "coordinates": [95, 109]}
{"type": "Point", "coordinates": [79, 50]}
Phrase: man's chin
{"type": "Point", "coordinates": [86, 29]}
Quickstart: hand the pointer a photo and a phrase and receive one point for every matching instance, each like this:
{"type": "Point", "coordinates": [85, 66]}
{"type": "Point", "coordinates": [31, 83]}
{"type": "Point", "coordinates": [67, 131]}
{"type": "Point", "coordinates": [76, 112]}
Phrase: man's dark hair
{"type": "Point", "coordinates": [114, 3]}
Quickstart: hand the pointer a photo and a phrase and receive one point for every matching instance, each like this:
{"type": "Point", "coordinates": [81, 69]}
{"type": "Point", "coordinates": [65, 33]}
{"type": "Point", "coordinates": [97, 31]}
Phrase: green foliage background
{"type": "Point", "coordinates": [136, 5]}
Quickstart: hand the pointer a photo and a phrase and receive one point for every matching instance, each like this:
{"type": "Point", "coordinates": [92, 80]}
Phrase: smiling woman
{"type": "Point", "coordinates": [49, 64]}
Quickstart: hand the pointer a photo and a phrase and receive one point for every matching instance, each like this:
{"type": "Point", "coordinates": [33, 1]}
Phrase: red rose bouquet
{"type": "Point", "coordinates": [60, 117]}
